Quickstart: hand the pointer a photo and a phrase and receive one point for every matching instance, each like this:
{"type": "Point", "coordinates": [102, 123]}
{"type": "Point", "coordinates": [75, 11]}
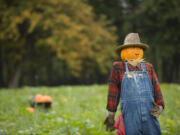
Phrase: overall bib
{"type": "Point", "coordinates": [136, 103]}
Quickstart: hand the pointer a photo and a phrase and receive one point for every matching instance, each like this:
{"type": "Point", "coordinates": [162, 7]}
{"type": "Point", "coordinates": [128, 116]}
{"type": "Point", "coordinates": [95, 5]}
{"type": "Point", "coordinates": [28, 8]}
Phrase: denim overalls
{"type": "Point", "coordinates": [136, 103]}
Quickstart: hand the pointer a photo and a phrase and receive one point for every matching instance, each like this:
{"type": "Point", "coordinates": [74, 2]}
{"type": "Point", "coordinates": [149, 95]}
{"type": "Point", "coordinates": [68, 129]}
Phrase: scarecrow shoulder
{"type": "Point", "coordinates": [149, 66]}
{"type": "Point", "coordinates": [118, 64]}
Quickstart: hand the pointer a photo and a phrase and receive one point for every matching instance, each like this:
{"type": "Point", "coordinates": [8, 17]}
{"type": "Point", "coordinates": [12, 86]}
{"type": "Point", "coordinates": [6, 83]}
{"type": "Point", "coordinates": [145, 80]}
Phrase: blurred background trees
{"type": "Point", "coordinates": [52, 42]}
{"type": "Point", "coordinates": [55, 42]}
{"type": "Point", "coordinates": [157, 22]}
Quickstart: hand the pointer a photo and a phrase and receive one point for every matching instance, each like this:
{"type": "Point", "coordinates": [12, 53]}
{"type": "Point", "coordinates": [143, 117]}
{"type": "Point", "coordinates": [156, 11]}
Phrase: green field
{"type": "Point", "coordinates": [76, 110]}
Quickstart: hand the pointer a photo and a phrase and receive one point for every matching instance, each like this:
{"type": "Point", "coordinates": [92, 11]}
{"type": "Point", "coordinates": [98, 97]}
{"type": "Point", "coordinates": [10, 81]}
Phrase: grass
{"type": "Point", "coordinates": [76, 110]}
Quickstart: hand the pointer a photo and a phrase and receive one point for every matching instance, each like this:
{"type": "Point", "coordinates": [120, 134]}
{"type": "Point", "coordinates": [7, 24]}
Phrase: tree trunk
{"type": "Point", "coordinates": [176, 68]}
{"type": "Point", "coordinates": [14, 82]}
{"type": "Point", "coordinates": [158, 65]}
{"type": "Point", "coordinates": [1, 67]}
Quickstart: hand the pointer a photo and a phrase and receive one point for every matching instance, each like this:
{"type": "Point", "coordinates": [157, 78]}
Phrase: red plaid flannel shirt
{"type": "Point", "coordinates": [115, 80]}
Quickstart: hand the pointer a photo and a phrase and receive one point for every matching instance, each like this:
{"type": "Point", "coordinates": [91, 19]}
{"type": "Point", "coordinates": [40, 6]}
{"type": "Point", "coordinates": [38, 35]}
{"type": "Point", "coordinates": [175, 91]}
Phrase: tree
{"type": "Point", "coordinates": [113, 10]}
{"type": "Point", "coordinates": [158, 21]}
{"type": "Point", "coordinates": [68, 29]}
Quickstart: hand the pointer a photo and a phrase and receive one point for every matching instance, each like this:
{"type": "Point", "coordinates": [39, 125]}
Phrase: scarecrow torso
{"type": "Point", "coordinates": [119, 67]}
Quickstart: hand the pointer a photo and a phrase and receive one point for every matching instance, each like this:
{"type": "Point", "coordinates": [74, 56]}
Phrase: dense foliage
{"type": "Point", "coordinates": [157, 22]}
{"type": "Point", "coordinates": [54, 42]}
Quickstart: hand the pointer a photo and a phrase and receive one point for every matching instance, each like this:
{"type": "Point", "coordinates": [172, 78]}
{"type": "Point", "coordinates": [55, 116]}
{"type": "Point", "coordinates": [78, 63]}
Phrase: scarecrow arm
{"type": "Point", "coordinates": [114, 90]}
{"type": "Point", "coordinates": [157, 90]}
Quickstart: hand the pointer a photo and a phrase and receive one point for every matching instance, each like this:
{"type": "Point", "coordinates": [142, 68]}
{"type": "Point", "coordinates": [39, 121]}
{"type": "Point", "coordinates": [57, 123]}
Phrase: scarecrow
{"type": "Point", "coordinates": [134, 83]}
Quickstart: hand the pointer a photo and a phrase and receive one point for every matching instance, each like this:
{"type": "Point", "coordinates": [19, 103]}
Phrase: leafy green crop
{"type": "Point", "coordinates": [76, 110]}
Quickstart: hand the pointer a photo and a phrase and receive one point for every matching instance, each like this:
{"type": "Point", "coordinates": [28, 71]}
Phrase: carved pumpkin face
{"type": "Point", "coordinates": [131, 53]}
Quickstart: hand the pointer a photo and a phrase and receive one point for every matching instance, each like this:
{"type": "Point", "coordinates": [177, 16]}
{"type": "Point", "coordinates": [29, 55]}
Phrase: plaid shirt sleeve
{"type": "Point", "coordinates": [114, 88]}
{"type": "Point", "coordinates": [157, 90]}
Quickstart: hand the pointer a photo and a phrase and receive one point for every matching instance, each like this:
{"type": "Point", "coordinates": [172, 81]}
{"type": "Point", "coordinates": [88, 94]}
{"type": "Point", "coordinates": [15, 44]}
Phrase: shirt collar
{"type": "Point", "coordinates": [137, 67]}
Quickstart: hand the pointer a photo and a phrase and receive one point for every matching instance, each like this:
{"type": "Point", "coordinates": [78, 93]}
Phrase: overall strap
{"type": "Point", "coordinates": [143, 67]}
{"type": "Point", "coordinates": [126, 65]}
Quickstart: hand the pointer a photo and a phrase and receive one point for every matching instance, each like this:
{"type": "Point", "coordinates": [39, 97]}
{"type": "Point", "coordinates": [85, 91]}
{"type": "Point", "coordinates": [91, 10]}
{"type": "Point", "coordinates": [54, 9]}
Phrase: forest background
{"type": "Point", "coordinates": [59, 42]}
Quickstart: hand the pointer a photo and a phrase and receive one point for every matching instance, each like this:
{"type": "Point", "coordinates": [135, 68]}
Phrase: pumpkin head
{"type": "Point", "coordinates": [131, 53]}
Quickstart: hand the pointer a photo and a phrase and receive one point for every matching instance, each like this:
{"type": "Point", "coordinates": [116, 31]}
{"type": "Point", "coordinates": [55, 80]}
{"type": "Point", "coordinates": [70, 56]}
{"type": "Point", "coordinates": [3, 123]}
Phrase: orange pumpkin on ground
{"type": "Point", "coordinates": [47, 98]}
{"type": "Point", "coordinates": [30, 109]}
{"type": "Point", "coordinates": [39, 98]}
{"type": "Point", "coordinates": [43, 101]}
